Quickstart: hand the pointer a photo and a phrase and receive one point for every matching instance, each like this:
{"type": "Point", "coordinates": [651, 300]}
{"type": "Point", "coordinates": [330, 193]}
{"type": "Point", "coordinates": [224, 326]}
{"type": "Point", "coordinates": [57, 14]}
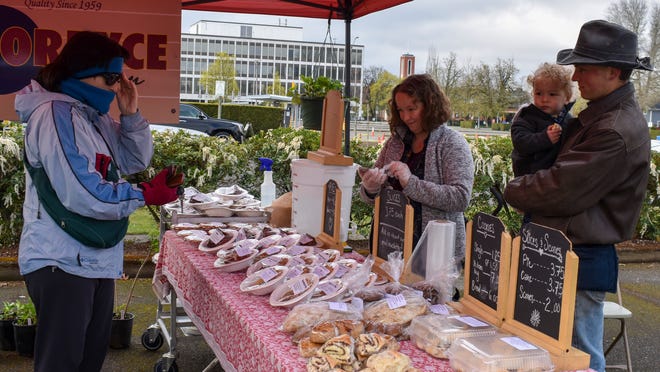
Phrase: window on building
{"type": "Point", "coordinates": [201, 47]}
{"type": "Point", "coordinates": [229, 47]}
{"type": "Point", "coordinates": [241, 49]}
{"type": "Point", "coordinates": [215, 47]}
{"type": "Point", "coordinates": [255, 50]}
{"type": "Point", "coordinates": [246, 31]}
{"type": "Point", "coordinates": [268, 51]}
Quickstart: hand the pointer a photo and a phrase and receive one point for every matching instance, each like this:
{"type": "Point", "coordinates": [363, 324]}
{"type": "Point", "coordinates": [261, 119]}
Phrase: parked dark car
{"type": "Point", "coordinates": [191, 117]}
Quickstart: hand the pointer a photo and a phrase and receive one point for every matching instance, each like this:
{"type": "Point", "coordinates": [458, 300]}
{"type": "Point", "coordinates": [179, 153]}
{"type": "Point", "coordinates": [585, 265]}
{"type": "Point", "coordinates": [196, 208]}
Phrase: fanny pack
{"type": "Point", "coordinates": [88, 231]}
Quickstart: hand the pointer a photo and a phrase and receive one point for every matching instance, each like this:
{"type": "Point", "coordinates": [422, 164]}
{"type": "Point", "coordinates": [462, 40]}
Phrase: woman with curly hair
{"type": "Point", "coordinates": [424, 158]}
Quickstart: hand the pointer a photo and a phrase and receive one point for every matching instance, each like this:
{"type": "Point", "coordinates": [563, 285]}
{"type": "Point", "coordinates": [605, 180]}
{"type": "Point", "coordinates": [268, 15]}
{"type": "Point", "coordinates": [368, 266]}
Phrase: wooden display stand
{"type": "Point", "coordinates": [330, 220]}
{"type": "Point", "coordinates": [392, 230]}
{"type": "Point", "coordinates": [487, 262]}
{"type": "Point", "coordinates": [330, 152]}
{"type": "Point", "coordinates": [541, 296]}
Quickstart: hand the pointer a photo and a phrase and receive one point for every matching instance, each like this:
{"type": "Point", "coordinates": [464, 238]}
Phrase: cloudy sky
{"type": "Point", "coordinates": [527, 31]}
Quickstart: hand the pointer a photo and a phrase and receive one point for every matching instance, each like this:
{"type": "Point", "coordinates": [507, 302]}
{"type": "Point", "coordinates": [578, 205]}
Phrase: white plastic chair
{"type": "Point", "coordinates": [614, 310]}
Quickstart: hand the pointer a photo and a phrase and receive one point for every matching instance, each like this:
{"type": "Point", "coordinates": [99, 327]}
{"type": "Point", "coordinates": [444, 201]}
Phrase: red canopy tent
{"type": "Point", "coordinates": [347, 10]}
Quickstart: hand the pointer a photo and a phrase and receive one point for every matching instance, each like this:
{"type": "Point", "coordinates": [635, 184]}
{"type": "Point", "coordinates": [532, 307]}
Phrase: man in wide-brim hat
{"type": "Point", "coordinates": [595, 189]}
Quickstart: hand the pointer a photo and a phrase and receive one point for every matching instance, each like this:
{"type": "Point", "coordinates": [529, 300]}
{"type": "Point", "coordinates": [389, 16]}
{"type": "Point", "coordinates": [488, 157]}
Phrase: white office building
{"type": "Point", "coordinates": [259, 51]}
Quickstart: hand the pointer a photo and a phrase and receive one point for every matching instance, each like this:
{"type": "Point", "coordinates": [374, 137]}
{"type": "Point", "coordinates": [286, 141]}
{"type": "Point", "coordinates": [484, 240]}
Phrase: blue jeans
{"type": "Point", "coordinates": [588, 326]}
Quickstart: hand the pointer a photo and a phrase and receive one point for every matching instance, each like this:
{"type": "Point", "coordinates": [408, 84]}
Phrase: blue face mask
{"type": "Point", "coordinates": [98, 98]}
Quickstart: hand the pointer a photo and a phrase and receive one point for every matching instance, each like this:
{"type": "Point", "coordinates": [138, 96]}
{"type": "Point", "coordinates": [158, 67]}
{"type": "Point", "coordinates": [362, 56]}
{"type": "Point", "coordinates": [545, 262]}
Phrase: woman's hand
{"type": "Point", "coordinates": [399, 171]}
{"type": "Point", "coordinates": [372, 179]}
{"type": "Point", "coordinates": [127, 96]}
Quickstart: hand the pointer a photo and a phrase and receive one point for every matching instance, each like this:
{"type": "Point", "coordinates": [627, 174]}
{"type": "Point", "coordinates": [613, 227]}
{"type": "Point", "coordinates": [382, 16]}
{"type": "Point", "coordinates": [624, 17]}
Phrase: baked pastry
{"type": "Point", "coordinates": [318, 364]}
{"type": "Point", "coordinates": [338, 351]}
{"type": "Point", "coordinates": [326, 330]}
{"type": "Point", "coordinates": [390, 361]}
{"type": "Point", "coordinates": [307, 348]}
{"type": "Point", "coordinates": [368, 344]}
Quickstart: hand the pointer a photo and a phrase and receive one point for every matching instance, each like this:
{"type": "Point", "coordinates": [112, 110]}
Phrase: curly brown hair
{"type": "Point", "coordinates": [561, 75]}
{"type": "Point", "coordinates": [426, 91]}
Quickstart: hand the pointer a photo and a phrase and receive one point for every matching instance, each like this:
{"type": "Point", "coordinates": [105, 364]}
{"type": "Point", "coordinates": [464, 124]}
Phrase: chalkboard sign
{"type": "Point", "coordinates": [484, 259]}
{"type": "Point", "coordinates": [330, 207]}
{"type": "Point", "coordinates": [330, 218]}
{"type": "Point", "coordinates": [393, 228]}
{"type": "Point", "coordinates": [540, 278]}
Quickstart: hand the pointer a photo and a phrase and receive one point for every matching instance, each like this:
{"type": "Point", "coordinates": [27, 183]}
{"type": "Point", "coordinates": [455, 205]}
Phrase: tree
{"type": "Point", "coordinates": [371, 75]}
{"type": "Point", "coordinates": [381, 91]}
{"type": "Point", "coordinates": [222, 69]}
{"type": "Point", "coordinates": [446, 73]}
{"type": "Point", "coordinates": [636, 16]}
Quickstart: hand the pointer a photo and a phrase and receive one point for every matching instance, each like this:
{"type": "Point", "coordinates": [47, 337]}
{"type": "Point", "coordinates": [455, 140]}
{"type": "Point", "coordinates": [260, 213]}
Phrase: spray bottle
{"type": "Point", "coordinates": [267, 187]}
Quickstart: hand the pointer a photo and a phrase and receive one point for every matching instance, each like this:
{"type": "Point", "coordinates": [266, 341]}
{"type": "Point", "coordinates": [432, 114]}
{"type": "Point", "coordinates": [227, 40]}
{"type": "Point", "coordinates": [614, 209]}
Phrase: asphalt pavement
{"type": "Point", "coordinates": [639, 278]}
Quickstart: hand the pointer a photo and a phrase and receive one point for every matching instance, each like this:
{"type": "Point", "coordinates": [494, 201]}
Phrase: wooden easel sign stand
{"type": "Point", "coordinates": [393, 228]}
{"type": "Point", "coordinates": [487, 263]}
{"type": "Point", "coordinates": [541, 298]}
{"type": "Point", "coordinates": [331, 218]}
{"type": "Point", "coordinates": [330, 152]}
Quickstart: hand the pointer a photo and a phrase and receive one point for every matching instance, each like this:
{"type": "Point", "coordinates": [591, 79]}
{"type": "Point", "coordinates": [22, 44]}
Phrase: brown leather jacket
{"type": "Point", "coordinates": [595, 189]}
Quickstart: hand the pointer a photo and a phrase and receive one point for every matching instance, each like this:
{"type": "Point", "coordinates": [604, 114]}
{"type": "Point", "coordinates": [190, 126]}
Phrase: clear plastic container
{"type": "Point", "coordinates": [499, 352]}
{"type": "Point", "coordinates": [435, 333]}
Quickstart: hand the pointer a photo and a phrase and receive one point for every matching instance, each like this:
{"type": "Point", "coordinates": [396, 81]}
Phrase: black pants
{"type": "Point", "coordinates": [74, 319]}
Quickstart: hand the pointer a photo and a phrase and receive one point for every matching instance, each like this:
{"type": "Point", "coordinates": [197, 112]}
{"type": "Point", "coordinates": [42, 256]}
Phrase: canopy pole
{"type": "Point", "coordinates": [347, 88]}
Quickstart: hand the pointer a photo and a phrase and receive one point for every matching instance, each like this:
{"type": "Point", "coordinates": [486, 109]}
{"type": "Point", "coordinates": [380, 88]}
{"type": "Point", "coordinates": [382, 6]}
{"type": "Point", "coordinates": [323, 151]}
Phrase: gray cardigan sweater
{"type": "Point", "coordinates": [448, 176]}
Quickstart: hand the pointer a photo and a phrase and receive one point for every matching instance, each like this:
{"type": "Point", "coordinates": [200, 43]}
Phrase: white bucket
{"type": "Point", "coordinates": [308, 178]}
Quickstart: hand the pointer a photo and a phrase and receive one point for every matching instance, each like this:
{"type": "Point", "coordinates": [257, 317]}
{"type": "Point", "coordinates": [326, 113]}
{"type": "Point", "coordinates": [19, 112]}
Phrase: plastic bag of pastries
{"type": "Point", "coordinates": [393, 314]}
{"type": "Point", "coordinates": [312, 313]}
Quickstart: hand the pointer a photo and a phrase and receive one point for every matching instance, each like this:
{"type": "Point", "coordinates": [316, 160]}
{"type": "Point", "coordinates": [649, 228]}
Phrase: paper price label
{"type": "Point", "coordinates": [270, 261]}
{"type": "Point", "coordinates": [321, 271]}
{"type": "Point", "coordinates": [297, 261]}
{"type": "Point", "coordinates": [327, 287]}
{"type": "Point", "coordinates": [518, 343]}
{"type": "Point", "coordinates": [242, 251]}
{"type": "Point", "coordinates": [297, 249]}
{"type": "Point", "coordinates": [338, 306]}
{"type": "Point", "coordinates": [298, 287]}
{"type": "Point", "coordinates": [472, 322]}
{"type": "Point", "coordinates": [268, 274]}
{"type": "Point", "coordinates": [341, 271]}
{"type": "Point", "coordinates": [273, 250]}
{"type": "Point", "coordinates": [396, 301]}
{"type": "Point", "coordinates": [216, 236]}
{"type": "Point", "coordinates": [439, 309]}
{"type": "Point", "coordinates": [294, 273]}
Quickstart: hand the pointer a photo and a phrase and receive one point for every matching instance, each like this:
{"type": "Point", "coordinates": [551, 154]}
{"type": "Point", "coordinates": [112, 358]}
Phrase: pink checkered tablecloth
{"type": "Point", "coordinates": [241, 329]}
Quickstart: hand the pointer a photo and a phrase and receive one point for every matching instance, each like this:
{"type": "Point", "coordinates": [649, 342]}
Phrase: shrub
{"type": "Point", "coordinates": [209, 162]}
{"type": "Point", "coordinates": [467, 124]}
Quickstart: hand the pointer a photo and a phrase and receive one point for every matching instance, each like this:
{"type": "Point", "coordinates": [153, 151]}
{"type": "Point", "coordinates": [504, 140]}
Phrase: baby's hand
{"type": "Point", "coordinates": [554, 133]}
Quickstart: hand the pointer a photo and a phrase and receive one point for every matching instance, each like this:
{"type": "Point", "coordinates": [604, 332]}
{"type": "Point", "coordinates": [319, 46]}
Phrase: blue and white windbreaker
{"type": "Point", "coordinates": [64, 137]}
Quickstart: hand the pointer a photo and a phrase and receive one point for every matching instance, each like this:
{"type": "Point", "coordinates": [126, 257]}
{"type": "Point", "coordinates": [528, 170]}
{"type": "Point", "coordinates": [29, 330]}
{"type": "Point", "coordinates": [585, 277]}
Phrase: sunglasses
{"type": "Point", "coordinates": [111, 78]}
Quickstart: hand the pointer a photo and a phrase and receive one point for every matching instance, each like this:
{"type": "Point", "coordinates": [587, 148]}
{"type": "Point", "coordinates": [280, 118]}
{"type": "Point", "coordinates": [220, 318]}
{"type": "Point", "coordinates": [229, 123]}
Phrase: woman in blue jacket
{"type": "Point", "coordinates": [75, 154]}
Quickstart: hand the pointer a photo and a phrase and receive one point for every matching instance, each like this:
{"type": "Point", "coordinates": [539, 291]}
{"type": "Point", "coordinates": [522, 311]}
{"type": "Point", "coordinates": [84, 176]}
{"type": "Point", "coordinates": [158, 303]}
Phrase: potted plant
{"type": "Point", "coordinates": [311, 97]}
{"type": "Point", "coordinates": [7, 317]}
{"type": "Point", "coordinates": [122, 319]}
{"type": "Point", "coordinates": [25, 328]}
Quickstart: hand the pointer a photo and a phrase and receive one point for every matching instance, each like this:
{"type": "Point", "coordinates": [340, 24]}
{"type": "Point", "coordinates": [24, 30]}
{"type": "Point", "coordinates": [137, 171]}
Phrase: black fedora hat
{"type": "Point", "coordinates": [605, 43]}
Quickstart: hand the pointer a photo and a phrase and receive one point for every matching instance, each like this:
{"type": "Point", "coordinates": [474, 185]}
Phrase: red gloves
{"type": "Point", "coordinates": [158, 191]}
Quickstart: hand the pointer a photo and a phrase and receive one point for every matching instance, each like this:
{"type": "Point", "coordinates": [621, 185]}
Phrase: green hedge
{"type": "Point", "coordinates": [209, 162]}
{"type": "Point", "coordinates": [261, 118]}
{"type": "Point", "coordinates": [467, 123]}
{"type": "Point", "coordinates": [501, 126]}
